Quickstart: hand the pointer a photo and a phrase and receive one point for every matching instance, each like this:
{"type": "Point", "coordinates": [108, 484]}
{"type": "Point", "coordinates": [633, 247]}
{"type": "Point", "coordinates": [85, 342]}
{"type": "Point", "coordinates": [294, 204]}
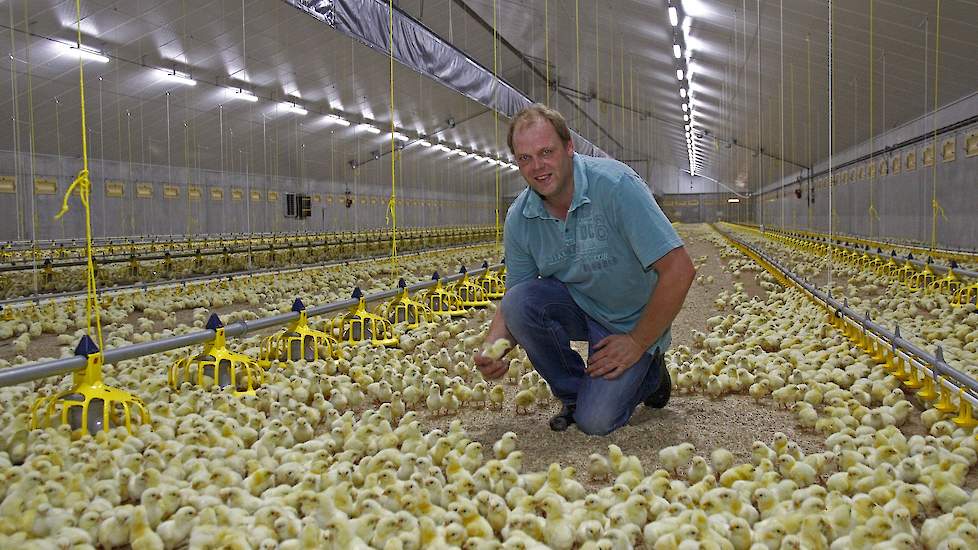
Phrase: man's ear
{"type": "Point", "coordinates": [570, 147]}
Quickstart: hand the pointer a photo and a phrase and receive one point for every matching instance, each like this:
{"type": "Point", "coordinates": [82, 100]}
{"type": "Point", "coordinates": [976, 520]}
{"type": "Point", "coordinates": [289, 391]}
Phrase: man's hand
{"type": "Point", "coordinates": [614, 354]}
{"type": "Point", "coordinates": [489, 367]}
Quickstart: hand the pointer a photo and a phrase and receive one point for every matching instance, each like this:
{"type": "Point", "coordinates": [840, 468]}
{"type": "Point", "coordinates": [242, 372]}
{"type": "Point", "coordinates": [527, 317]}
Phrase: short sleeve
{"type": "Point", "coordinates": [646, 229]}
{"type": "Point", "coordinates": [520, 265]}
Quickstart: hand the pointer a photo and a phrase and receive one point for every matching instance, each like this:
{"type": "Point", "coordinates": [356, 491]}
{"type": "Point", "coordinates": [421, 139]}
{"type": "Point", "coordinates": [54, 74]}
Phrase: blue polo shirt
{"type": "Point", "coordinates": [604, 252]}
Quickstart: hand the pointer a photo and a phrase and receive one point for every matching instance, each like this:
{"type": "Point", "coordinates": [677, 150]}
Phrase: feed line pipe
{"type": "Point", "coordinates": [937, 366]}
{"type": "Point", "coordinates": [66, 365]}
{"type": "Point", "coordinates": [938, 269]}
{"type": "Point", "coordinates": [228, 275]}
{"type": "Point", "coordinates": [214, 251]}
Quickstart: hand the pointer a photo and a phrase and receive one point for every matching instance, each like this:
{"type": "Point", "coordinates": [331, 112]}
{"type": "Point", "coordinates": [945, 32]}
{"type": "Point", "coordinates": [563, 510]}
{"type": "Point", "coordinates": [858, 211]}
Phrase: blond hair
{"type": "Point", "coordinates": [536, 113]}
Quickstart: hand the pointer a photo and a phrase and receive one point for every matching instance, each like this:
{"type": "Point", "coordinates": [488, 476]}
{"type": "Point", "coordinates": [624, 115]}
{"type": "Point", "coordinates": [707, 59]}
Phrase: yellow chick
{"type": "Point", "coordinates": [176, 530]}
{"type": "Point", "coordinates": [674, 457]}
{"type": "Point", "coordinates": [496, 397]}
{"type": "Point", "coordinates": [559, 532]}
{"type": "Point", "coordinates": [524, 399]}
{"type": "Point", "coordinates": [721, 460]}
{"type": "Point", "coordinates": [698, 469]}
{"type": "Point", "coordinates": [140, 533]}
{"type": "Point", "coordinates": [505, 445]}
{"type": "Point", "coordinates": [598, 467]}
{"type": "Point", "coordinates": [497, 349]}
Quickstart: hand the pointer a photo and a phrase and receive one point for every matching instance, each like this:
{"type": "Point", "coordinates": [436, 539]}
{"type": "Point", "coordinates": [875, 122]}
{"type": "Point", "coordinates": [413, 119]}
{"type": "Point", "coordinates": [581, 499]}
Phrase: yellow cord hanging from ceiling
{"type": "Point", "coordinates": [871, 212]}
{"type": "Point", "coordinates": [84, 186]}
{"type": "Point", "coordinates": [937, 209]}
{"type": "Point", "coordinates": [392, 203]}
{"type": "Point", "coordinates": [495, 114]}
{"type": "Point", "coordinates": [546, 44]}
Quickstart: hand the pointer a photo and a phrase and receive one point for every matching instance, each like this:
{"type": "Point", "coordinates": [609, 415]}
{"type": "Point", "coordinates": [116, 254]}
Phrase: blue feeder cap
{"type": "Point", "coordinates": [485, 265]}
{"type": "Point", "coordinates": [401, 283]}
{"type": "Point", "coordinates": [910, 255]}
{"type": "Point", "coordinates": [357, 293]}
{"type": "Point", "coordinates": [86, 346]}
{"type": "Point", "coordinates": [435, 276]}
{"type": "Point", "coordinates": [463, 270]}
{"type": "Point", "coordinates": [297, 305]}
{"type": "Point", "coordinates": [214, 322]}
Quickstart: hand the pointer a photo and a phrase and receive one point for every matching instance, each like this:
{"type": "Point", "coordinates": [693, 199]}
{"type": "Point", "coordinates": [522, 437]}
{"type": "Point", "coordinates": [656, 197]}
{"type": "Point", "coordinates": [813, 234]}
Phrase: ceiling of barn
{"type": "Point", "coordinates": [610, 66]}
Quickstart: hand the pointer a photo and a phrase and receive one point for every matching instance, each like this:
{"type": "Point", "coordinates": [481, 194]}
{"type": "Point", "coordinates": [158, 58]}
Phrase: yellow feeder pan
{"type": "Point", "coordinates": [469, 293]}
{"type": "Point", "coordinates": [296, 341]}
{"type": "Point", "coordinates": [950, 283]}
{"type": "Point", "coordinates": [441, 301]}
{"type": "Point", "coordinates": [402, 309]}
{"type": "Point", "coordinates": [491, 284]}
{"type": "Point", "coordinates": [359, 325]}
{"type": "Point", "coordinates": [89, 405]}
{"type": "Point", "coordinates": [218, 366]}
{"type": "Point", "coordinates": [965, 295]}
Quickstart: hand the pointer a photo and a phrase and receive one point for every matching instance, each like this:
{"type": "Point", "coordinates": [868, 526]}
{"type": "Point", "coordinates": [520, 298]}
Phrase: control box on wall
{"type": "Point", "coordinates": [298, 205]}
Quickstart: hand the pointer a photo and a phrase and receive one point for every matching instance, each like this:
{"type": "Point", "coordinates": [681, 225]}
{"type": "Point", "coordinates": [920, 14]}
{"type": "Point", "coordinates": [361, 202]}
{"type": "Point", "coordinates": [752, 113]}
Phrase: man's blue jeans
{"type": "Point", "coordinates": [543, 318]}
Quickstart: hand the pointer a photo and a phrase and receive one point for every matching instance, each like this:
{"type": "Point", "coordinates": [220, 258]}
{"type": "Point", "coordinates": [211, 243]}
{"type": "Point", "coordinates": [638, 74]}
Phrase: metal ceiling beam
{"type": "Point", "coordinates": [526, 61]}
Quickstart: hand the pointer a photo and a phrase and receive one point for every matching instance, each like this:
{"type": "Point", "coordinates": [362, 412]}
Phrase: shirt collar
{"type": "Point", "coordinates": [534, 208]}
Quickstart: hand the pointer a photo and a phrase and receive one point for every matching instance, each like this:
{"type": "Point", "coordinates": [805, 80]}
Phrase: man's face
{"type": "Point", "coordinates": [546, 164]}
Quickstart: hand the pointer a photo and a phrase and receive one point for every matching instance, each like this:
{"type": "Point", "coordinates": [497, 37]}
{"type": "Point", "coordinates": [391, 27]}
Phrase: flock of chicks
{"type": "Point", "coordinates": [926, 319]}
{"type": "Point", "coordinates": [143, 315]}
{"type": "Point", "coordinates": [215, 258]}
{"type": "Point", "coordinates": [335, 454]}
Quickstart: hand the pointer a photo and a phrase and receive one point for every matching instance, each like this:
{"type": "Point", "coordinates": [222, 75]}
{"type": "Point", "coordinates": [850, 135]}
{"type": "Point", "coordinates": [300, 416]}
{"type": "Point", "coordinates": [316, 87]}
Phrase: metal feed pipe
{"type": "Point", "coordinates": [915, 356]}
{"type": "Point", "coordinates": [65, 365]}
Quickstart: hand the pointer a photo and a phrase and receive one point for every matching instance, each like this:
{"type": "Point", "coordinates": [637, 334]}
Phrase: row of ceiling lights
{"type": "Point", "coordinates": [681, 54]}
{"type": "Point", "coordinates": [177, 77]}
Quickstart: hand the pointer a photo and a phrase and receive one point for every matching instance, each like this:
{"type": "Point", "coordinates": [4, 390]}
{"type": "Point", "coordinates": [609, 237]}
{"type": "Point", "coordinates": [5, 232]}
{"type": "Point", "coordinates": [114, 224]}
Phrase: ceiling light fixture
{"type": "Point", "coordinates": [84, 52]}
{"type": "Point", "coordinates": [177, 77]}
{"type": "Point", "coordinates": [242, 94]}
{"type": "Point", "coordinates": [679, 75]}
{"type": "Point", "coordinates": [677, 51]}
{"type": "Point", "coordinates": [369, 128]}
{"type": "Point", "coordinates": [673, 16]}
{"type": "Point", "coordinates": [292, 108]}
{"type": "Point", "coordinates": [337, 120]}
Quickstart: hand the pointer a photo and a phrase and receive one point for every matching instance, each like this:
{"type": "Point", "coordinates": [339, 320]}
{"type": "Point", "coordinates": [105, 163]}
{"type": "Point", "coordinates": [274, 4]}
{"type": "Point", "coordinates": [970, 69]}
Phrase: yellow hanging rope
{"type": "Point", "coordinates": [84, 186]}
{"type": "Point", "coordinates": [811, 185]}
{"type": "Point", "coordinates": [392, 203]}
{"type": "Point", "coordinates": [597, 70]}
{"type": "Point", "coordinates": [871, 212]}
{"type": "Point", "coordinates": [495, 114]}
{"type": "Point", "coordinates": [577, 42]}
{"type": "Point", "coordinates": [936, 206]}
{"type": "Point", "coordinates": [546, 44]}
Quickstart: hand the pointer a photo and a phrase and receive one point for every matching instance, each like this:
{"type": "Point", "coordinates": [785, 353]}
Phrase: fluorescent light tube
{"type": "Point", "coordinates": [177, 77]}
{"type": "Point", "coordinates": [84, 52]}
{"type": "Point", "coordinates": [293, 108]}
{"type": "Point", "coordinates": [238, 93]}
{"type": "Point", "coordinates": [673, 16]}
{"type": "Point", "coordinates": [338, 120]}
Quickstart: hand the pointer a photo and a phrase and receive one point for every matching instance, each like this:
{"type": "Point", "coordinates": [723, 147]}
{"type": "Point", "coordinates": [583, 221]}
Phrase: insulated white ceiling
{"type": "Point", "coordinates": [624, 49]}
{"type": "Point", "coordinates": [275, 50]}
{"type": "Point", "coordinates": [611, 62]}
